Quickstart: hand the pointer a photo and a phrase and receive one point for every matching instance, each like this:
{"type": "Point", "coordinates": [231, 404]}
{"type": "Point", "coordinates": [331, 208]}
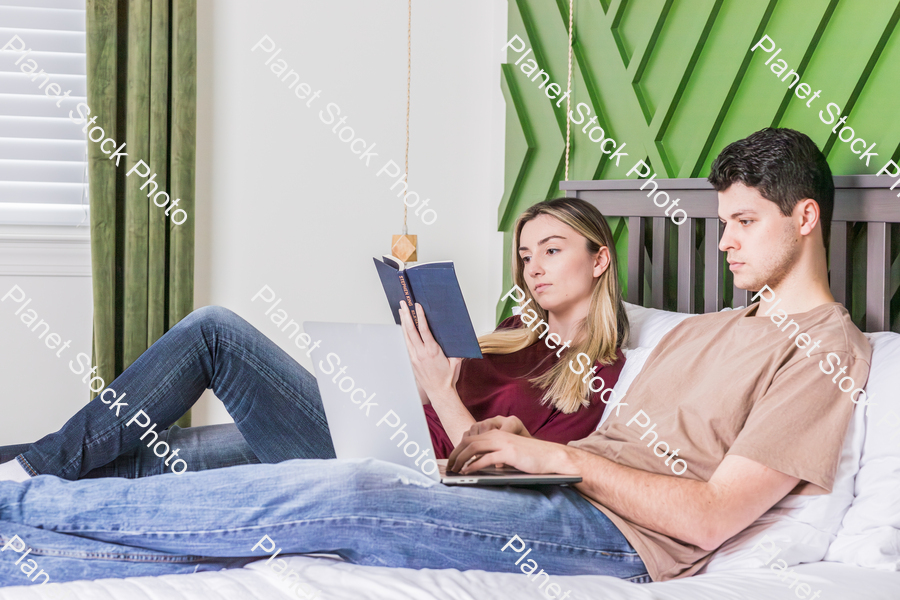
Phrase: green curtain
{"type": "Point", "coordinates": [141, 86]}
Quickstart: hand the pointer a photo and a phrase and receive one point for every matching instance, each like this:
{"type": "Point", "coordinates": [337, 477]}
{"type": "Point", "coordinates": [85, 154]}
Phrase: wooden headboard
{"type": "Point", "coordinates": [863, 205]}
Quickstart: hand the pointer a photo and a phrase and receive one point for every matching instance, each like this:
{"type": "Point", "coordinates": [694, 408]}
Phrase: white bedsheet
{"type": "Point", "coordinates": [344, 581]}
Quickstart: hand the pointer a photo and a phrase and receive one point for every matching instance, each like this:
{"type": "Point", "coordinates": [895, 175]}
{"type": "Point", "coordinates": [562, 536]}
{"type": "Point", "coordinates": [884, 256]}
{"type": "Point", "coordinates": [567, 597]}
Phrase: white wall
{"type": "Point", "coordinates": [51, 267]}
{"type": "Point", "coordinates": [282, 202]}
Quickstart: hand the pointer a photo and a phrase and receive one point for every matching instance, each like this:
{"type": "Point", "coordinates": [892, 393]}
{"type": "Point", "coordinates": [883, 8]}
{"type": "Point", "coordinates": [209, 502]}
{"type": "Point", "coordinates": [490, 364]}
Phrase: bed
{"type": "Point", "coordinates": [342, 581]}
{"type": "Point", "coordinates": [842, 546]}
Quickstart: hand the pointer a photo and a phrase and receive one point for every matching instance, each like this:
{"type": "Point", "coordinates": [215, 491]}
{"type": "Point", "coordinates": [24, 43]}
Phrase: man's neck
{"type": "Point", "coordinates": [797, 296]}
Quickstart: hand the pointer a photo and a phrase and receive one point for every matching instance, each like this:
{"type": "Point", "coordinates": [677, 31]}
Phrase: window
{"type": "Point", "coordinates": [43, 155]}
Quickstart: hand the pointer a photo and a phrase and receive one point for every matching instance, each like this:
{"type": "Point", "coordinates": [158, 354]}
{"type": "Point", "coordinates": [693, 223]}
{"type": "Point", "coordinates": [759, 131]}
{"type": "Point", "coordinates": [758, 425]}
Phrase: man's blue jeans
{"type": "Point", "coordinates": [368, 511]}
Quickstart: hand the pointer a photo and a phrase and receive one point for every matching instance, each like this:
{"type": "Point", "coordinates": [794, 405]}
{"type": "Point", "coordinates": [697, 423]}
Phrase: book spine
{"type": "Point", "coordinates": [409, 298]}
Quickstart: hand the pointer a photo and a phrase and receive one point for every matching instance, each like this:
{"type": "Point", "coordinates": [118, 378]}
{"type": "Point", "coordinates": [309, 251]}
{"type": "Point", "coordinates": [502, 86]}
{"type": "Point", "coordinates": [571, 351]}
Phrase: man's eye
{"type": "Point", "coordinates": [745, 222]}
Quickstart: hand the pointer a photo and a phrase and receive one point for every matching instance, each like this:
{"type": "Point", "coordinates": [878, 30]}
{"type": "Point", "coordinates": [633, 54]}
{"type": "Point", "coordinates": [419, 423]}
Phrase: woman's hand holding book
{"type": "Point", "coordinates": [435, 374]}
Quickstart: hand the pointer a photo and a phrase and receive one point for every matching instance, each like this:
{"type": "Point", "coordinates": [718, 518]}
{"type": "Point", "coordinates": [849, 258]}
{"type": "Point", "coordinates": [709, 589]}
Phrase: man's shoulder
{"type": "Point", "coordinates": [829, 324]}
{"type": "Point", "coordinates": [833, 324]}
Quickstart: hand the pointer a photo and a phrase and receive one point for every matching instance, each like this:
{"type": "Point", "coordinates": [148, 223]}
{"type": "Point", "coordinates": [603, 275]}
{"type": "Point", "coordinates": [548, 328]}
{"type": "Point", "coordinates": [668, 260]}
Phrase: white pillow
{"type": "Point", "coordinates": [870, 532]}
{"type": "Point", "coordinates": [649, 325]}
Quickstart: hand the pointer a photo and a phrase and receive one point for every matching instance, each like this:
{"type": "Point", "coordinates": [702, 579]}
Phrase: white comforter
{"type": "Point", "coordinates": [344, 581]}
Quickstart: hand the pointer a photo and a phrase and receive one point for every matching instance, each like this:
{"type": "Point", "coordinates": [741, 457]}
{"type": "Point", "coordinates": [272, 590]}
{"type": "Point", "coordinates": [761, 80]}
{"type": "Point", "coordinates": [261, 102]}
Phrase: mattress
{"type": "Point", "coordinates": [340, 580]}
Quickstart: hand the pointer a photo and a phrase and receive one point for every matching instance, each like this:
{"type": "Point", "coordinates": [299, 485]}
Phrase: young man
{"type": "Point", "coordinates": [737, 412]}
{"type": "Point", "coordinates": [745, 400]}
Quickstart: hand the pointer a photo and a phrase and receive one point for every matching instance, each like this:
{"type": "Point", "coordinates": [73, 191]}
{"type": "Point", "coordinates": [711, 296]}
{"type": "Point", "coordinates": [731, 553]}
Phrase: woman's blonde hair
{"type": "Point", "coordinates": [601, 333]}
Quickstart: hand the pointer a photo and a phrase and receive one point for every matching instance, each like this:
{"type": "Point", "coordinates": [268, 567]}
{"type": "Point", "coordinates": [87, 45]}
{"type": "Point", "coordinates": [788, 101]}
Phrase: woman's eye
{"type": "Point", "coordinates": [525, 259]}
{"type": "Point", "coordinates": [553, 250]}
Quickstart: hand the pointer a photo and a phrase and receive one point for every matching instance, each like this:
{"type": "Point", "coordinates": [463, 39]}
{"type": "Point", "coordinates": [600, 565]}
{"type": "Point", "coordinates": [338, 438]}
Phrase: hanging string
{"type": "Point", "coordinates": [408, 71]}
{"type": "Point", "coordinates": [569, 87]}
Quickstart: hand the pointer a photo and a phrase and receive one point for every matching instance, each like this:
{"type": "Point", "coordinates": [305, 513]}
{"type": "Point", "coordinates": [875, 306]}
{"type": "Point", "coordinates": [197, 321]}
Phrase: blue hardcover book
{"type": "Point", "coordinates": [435, 286]}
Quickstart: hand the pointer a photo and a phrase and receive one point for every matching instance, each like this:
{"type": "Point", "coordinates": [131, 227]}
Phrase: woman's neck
{"type": "Point", "coordinates": [566, 325]}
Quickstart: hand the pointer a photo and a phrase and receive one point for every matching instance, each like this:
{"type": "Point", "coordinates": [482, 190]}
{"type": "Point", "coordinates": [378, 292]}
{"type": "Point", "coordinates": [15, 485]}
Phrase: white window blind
{"type": "Point", "coordinates": [43, 155]}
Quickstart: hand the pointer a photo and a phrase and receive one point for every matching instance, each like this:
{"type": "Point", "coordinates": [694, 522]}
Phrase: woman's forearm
{"type": "Point", "coordinates": [422, 395]}
{"type": "Point", "coordinates": [455, 417]}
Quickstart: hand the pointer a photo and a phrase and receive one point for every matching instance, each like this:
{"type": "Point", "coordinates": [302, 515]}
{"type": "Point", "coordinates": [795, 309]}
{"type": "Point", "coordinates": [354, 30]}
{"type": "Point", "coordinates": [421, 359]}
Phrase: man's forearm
{"type": "Point", "coordinates": [678, 507]}
{"type": "Point", "coordinates": [702, 513]}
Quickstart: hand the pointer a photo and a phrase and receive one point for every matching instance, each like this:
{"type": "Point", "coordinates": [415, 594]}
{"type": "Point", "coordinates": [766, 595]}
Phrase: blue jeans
{"type": "Point", "coordinates": [274, 401]}
{"type": "Point", "coordinates": [368, 511]}
{"type": "Point", "coordinates": [209, 447]}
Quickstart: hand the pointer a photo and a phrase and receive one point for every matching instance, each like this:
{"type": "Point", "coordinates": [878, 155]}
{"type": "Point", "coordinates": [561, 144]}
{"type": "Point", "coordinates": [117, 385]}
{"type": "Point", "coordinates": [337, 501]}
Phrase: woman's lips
{"type": "Point", "coordinates": [541, 287]}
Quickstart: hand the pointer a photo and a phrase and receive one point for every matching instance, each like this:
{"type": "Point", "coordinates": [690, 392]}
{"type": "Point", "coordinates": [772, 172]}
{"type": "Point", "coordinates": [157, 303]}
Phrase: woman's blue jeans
{"type": "Point", "coordinates": [274, 401]}
{"type": "Point", "coordinates": [208, 518]}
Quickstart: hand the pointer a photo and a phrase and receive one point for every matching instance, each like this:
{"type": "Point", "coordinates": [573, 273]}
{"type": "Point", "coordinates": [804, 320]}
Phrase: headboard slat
{"type": "Point", "coordinates": [687, 266]}
{"type": "Point", "coordinates": [838, 260]}
{"type": "Point", "coordinates": [878, 247]}
{"type": "Point", "coordinates": [741, 297]}
{"type": "Point", "coordinates": [713, 285]}
{"type": "Point", "coordinates": [635, 260]}
{"type": "Point", "coordinates": [657, 268]}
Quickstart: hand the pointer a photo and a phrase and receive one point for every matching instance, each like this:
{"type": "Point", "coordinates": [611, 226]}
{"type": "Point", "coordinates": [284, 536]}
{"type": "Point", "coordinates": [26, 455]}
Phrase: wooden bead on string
{"type": "Point", "coordinates": [404, 247]}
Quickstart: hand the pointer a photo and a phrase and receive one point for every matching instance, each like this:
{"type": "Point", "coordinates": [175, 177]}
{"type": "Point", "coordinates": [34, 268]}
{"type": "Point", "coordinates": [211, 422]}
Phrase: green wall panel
{"type": "Point", "coordinates": [676, 82]}
{"type": "Point", "coordinates": [535, 112]}
{"type": "Point", "coordinates": [519, 143]}
{"type": "Point", "coordinates": [761, 96]}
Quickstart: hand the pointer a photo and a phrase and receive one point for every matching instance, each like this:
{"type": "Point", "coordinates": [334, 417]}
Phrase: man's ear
{"type": "Point", "coordinates": [807, 214]}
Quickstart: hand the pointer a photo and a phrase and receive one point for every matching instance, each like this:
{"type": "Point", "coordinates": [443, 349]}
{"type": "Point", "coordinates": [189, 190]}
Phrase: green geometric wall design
{"type": "Point", "coordinates": [676, 82]}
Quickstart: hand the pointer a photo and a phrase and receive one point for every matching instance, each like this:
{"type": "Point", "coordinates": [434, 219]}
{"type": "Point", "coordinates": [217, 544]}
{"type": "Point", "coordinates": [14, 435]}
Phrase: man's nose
{"type": "Point", "coordinates": [727, 242]}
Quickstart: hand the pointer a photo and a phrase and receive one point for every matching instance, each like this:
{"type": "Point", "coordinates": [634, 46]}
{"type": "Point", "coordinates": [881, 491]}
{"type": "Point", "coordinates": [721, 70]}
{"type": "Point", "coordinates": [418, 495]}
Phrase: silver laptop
{"type": "Point", "coordinates": [373, 408]}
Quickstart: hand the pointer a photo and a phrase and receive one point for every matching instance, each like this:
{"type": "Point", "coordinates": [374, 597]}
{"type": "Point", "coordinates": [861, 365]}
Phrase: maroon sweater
{"type": "Point", "coordinates": [498, 385]}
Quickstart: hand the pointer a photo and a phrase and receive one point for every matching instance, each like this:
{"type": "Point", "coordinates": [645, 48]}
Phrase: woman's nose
{"type": "Point", "coordinates": [534, 268]}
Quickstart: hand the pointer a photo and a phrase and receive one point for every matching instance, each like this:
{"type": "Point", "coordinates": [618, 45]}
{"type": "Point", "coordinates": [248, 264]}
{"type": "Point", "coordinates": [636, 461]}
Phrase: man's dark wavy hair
{"type": "Point", "coordinates": [784, 166]}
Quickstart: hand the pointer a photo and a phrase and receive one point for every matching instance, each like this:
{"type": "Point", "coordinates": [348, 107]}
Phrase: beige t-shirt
{"type": "Point", "coordinates": [734, 383]}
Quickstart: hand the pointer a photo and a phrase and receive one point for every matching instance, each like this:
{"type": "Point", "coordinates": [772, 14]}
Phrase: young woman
{"type": "Point", "coordinates": [564, 262]}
